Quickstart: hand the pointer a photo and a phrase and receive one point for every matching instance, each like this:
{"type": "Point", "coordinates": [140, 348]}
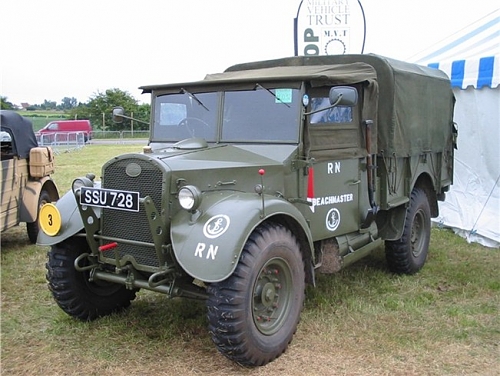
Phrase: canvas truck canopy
{"type": "Point", "coordinates": [415, 105]}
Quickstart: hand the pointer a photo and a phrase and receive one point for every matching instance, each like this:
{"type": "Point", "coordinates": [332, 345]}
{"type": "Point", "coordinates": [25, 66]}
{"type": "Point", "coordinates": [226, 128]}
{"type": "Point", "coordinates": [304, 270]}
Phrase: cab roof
{"type": "Point", "coordinates": [335, 74]}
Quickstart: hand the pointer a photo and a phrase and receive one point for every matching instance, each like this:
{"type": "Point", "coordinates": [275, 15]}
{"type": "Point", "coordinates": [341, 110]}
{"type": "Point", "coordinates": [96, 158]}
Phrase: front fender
{"type": "Point", "coordinates": [71, 220]}
{"type": "Point", "coordinates": [28, 207]}
{"type": "Point", "coordinates": [208, 243]}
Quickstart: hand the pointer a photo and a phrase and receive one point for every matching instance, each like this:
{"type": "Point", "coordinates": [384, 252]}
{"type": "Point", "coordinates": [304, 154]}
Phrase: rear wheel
{"type": "Point", "coordinates": [408, 254]}
{"type": "Point", "coordinates": [254, 313]}
{"type": "Point", "coordinates": [33, 227]}
{"type": "Point", "coordinates": [72, 290]}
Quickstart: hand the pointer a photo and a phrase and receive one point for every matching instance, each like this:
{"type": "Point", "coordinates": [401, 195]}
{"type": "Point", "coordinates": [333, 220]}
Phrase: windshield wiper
{"type": "Point", "coordinates": [184, 91]}
{"type": "Point", "coordinates": [257, 85]}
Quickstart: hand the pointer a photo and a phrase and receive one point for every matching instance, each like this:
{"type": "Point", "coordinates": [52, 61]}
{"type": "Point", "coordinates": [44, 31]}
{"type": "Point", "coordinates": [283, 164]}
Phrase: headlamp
{"type": "Point", "coordinates": [81, 182]}
{"type": "Point", "coordinates": [189, 197]}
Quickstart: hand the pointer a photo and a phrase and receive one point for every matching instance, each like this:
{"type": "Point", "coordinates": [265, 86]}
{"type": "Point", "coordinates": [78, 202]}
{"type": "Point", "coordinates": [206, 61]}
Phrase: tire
{"type": "Point", "coordinates": [408, 254]}
{"type": "Point", "coordinates": [73, 291]}
{"type": "Point", "coordinates": [33, 227]}
{"type": "Point", "coordinates": [254, 313]}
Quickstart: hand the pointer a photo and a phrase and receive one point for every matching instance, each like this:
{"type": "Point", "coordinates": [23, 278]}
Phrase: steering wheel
{"type": "Point", "coordinates": [202, 125]}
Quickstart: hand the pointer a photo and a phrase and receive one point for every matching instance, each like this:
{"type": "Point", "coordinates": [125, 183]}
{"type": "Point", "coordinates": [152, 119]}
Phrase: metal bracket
{"type": "Point", "coordinates": [157, 227]}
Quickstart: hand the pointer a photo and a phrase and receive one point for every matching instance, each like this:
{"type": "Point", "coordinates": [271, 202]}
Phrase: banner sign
{"type": "Point", "coordinates": [329, 27]}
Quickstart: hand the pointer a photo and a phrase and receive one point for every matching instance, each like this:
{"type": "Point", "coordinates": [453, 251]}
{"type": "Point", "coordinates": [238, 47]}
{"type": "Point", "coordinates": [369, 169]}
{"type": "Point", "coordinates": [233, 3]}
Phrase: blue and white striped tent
{"type": "Point", "coordinates": [471, 58]}
{"type": "Point", "coordinates": [477, 72]}
{"type": "Point", "coordinates": [472, 61]}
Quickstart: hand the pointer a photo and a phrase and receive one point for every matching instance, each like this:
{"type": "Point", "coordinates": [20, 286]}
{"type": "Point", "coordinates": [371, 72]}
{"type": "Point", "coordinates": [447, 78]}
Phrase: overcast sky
{"type": "Point", "coordinates": [53, 49]}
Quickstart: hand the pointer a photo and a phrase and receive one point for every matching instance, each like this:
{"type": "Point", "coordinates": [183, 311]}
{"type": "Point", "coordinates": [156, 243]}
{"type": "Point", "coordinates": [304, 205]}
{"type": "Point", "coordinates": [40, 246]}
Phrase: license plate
{"type": "Point", "coordinates": [110, 198]}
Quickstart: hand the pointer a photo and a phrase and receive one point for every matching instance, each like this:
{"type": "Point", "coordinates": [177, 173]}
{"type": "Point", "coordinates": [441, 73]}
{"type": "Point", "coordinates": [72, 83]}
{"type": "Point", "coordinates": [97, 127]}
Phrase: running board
{"type": "Point", "coordinates": [358, 254]}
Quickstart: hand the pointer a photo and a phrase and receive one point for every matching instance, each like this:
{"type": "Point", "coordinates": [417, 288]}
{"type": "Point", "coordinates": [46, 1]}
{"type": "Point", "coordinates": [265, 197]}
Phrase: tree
{"type": "Point", "coordinates": [5, 104]}
{"type": "Point", "coordinates": [67, 103]}
{"type": "Point", "coordinates": [102, 104]}
{"type": "Point", "coordinates": [142, 112]}
{"type": "Point", "coordinates": [48, 105]}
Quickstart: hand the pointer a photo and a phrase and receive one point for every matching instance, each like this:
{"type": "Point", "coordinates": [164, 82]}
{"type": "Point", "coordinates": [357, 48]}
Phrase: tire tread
{"type": "Point", "coordinates": [227, 321]}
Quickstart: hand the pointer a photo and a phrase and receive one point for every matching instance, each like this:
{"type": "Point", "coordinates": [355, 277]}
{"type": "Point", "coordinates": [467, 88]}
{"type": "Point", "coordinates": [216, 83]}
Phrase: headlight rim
{"type": "Point", "coordinates": [195, 196]}
{"type": "Point", "coordinates": [81, 182]}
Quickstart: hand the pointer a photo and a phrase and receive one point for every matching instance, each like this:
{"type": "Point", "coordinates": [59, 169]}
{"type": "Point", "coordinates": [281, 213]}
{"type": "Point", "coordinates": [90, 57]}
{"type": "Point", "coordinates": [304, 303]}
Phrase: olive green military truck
{"type": "Point", "coordinates": [26, 174]}
{"type": "Point", "coordinates": [255, 180]}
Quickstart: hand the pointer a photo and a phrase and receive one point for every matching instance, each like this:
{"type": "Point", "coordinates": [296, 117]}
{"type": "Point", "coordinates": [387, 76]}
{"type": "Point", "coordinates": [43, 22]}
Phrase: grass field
{"type": "Point", "coordinates": [364, 320]}
{"type": "Point", "coordinates": [41, 118]}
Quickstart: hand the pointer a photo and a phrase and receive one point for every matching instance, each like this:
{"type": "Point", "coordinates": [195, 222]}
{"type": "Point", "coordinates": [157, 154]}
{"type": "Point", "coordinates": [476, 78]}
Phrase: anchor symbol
{"type": "Point", "coordinates": [216, 226]}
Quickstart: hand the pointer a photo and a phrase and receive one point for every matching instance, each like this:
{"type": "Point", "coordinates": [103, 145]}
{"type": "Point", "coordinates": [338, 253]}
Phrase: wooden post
{"type": "Point", "coordinates": [132, 125]}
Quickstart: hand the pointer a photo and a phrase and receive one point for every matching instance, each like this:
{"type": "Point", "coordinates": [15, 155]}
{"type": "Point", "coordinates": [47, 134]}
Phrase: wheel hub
{"type": "Point", "coordinates": [268, 294]}
{"type": "Point", "coordinates": [270, 299]}
{"type": "Point", "coordinates": [416, 237]}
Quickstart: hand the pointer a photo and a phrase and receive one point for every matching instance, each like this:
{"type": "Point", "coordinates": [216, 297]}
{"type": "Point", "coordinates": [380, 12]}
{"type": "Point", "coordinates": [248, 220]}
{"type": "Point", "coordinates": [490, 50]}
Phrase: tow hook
{"type": "Point", "coordinates": [159, 278]}
{"type": "Point", "coordinates": [86, 267]}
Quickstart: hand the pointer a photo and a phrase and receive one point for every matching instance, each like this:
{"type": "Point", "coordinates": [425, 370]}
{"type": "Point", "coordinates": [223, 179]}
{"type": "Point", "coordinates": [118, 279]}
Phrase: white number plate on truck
{"type": "Point", "coordinates": [110, 198]}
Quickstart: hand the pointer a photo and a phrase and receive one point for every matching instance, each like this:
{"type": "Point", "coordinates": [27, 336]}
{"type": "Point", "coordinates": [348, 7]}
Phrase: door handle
{"type": "Point", "coordinates": [355, 182]}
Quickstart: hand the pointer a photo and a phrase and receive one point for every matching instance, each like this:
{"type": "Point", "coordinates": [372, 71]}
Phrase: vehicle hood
{"type": "Point", "coordinates": [238, 167]}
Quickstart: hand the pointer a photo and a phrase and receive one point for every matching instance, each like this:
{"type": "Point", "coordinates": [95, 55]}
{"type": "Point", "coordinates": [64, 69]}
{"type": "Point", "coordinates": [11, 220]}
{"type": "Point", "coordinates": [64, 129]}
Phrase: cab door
{"type": "Point", "coordinates": [334, 177]}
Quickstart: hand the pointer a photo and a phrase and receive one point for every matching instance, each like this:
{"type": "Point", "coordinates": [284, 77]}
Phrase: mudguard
{"type": "Point", "coordinates": [28, 207]}
{"type": "Point", "coordinates": [71, 220]}
{"type": "Point", "coordinates": [208, 243]}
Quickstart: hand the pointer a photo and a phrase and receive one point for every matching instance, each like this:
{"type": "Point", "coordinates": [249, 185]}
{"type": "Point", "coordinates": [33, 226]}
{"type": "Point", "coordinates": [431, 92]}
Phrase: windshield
{"type": "Point", "coordinates": [181, 116]}
{"type": "Point", "coordinates": [259, 115]}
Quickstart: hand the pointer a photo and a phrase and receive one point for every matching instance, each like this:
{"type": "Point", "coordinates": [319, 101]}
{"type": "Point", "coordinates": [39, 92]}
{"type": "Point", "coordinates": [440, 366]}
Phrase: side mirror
{"type": "Point", "coordinates": [343, 96]}
{"type": "Point", "coordinates": [118, 113]}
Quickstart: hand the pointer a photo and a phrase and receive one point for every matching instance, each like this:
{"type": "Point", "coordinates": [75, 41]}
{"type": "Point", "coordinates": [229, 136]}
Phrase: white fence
{"type": "Point", "coordinates": [68, 141]}
{"type": "Point", "coordinates": [120, 135]}
{"type": "Point", "coordinates": [62, 140]}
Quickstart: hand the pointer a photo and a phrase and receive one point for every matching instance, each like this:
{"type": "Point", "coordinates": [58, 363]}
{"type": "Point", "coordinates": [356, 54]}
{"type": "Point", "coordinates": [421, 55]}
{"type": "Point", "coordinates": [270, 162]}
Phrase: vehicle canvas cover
{"type": "Point", "coordinates": [415, 106]}
{"type": "Point", "coordinates": [21, 129]}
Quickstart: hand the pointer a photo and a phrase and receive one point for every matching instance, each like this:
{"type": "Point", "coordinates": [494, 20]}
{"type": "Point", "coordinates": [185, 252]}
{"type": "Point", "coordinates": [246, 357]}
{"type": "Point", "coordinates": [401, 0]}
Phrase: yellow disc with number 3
{"type": "Point", "coordinates": [50, 219]}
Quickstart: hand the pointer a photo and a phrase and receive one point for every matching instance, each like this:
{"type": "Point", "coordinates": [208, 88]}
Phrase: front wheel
{"type": "Point", "coordinates": [72, 290]}
{"type": "Point", "coordinates": [408, 254]}
{"type": "Point", "coordinates": [254, 313]}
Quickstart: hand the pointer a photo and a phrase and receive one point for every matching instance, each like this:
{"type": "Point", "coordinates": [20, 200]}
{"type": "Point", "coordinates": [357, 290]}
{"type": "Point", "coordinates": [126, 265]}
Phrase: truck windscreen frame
{"type": "Point", "coordinates": [258, 115]}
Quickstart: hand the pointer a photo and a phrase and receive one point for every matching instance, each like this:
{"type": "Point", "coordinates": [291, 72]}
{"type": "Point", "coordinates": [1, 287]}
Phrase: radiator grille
{"type": "Point", "coordinates": [131, 225]}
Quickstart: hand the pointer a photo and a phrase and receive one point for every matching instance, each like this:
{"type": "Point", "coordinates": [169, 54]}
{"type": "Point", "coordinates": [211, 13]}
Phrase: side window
{"type": "Point", "coordinates": [53, 127]}
{"type": "Point", "coordinates": [335, 131]}
{"type": "Point", "coordinates": [6, 145]}
{"type": "Point", "coordinates": [339, 114]}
